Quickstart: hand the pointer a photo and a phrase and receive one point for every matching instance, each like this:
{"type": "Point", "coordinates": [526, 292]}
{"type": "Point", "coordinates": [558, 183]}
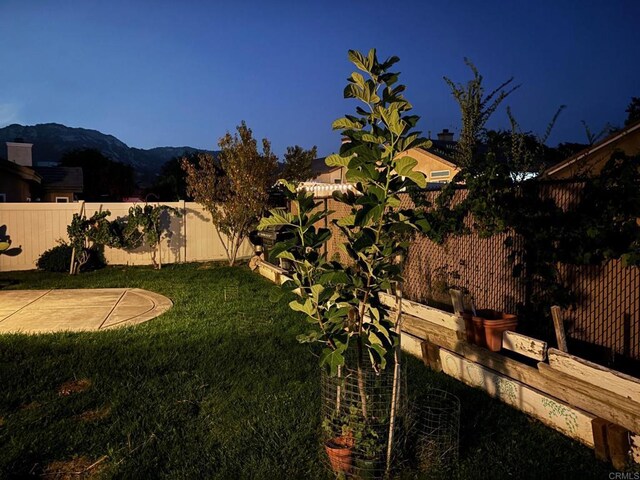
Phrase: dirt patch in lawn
{"type": "Point", "coordinates": [30, 406]}
{"type": "Point", "coordinates": [94, 415]}
{"type": "Point", "coordinates": [74, 386]}
{"type": "Point", "coordinates": [75, 468]}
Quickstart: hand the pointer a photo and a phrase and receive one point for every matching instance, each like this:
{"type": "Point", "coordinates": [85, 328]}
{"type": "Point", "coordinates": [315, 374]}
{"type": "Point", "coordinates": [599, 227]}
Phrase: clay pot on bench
{"type": "Point", "coordinates": [489, 326]}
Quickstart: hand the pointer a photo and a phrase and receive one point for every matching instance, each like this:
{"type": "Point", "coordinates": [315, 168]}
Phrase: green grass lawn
{"type": "Point", "coordinates": [214, 389]}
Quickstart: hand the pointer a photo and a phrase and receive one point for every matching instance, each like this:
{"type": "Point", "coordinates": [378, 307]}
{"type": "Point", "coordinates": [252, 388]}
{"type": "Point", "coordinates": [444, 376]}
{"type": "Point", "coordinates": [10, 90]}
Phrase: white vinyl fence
{"type": "Point", "coordinates": [36, 227]}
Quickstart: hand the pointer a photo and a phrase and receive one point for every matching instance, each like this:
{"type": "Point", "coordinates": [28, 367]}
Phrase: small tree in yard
{"type": "Point", "coordinates": [343, 301]}
{"type": "Point", "coordinates": [297, 164]}
{"type": "Point", "coordinates": [234, 188]}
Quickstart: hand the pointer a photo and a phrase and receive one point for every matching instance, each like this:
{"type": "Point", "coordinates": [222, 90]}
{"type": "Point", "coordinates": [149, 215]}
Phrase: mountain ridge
{"type": "Point", "coordinates": [52, 140]}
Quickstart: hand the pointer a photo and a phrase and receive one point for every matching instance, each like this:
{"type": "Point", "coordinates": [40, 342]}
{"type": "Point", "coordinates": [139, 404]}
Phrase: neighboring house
{"type": "Point", "coordinates": [20, 181]}
{"type": "Point", "coordinates": [591, 160]}
{"type": "Point", "coordinates": [17, 182]}
{"type": "Point", "coordinates": [325, 174]}
{"type": "Point", "coordinates": [436, 162]}
{"type": "Point", "coordinates": [60, 184]}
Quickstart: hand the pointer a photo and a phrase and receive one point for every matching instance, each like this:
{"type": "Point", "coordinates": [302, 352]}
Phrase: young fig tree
{"type": "Point", "coordinates": [342, 301]}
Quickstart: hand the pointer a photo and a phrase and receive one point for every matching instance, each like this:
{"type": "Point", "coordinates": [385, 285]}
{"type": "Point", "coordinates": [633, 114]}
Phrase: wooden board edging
{"type": "Point", "coordinates": [424, 312]}
{"type": "Point", "coordinates": [523, 345]}
{"type": "Point", "coordinates": [617, 382]}
{"type": "Point", "coordinates": [571, 421]}
{"type": "Point", "coordinates": [602, 403]}
{"type": "Point", "coordinates": [272, 272]}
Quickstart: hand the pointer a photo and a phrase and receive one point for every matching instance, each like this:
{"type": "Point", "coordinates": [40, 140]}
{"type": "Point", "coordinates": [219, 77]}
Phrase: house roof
{"type": "Point", "coordinates": [25, 173]}
{"type": "Point", "coordinates": [62, 178]}
{"type": "Point", "coordinates": [318, 167]}
{"type": "Point", "coordinates": [609, 141]}
{"type": "Point", "coordinates": [442, 158]}
{"type": "Point", "coordinates": [443, 149]}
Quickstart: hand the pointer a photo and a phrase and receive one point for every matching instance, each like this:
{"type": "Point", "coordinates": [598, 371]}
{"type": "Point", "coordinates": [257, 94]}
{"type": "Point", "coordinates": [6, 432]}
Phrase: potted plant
{"type": "Point", "coordinates": [342, 301]}
{"type": "Point", "coordinates": [369, 450]}
{"type": "Point", "coordinates": [494, 323]}
{"type": "Point", "coordinates": [339, 442]}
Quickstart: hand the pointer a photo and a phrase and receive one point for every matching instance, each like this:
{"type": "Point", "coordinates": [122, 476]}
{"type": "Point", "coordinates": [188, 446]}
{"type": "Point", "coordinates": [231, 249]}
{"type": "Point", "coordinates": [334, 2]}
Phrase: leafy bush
{"type": "Point", "coordinates": [58, 259]}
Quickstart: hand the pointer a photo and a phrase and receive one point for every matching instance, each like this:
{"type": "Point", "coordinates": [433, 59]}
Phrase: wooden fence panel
{"type": "Point", "coordinates": [37, 227]}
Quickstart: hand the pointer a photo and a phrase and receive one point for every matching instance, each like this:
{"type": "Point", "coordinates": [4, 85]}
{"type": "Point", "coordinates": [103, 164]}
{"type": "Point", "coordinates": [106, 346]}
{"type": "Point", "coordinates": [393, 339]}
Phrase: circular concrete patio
{"type": "Point", "coordinates": [46, 311]}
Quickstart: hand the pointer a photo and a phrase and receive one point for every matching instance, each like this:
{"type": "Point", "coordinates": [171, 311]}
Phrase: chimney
{"type": "Point", "coordinates": [20, 153]}
{"type": "Point", "coordinates": [445, 135]}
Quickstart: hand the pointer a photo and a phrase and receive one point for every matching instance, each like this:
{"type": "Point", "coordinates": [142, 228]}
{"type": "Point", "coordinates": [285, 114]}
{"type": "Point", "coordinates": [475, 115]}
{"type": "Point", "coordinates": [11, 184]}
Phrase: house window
{"type": "Point", "coordinates": [440, 173]}
{"type": "Point", "coordinates": [62, 200]}
{"type": "Point", "coordinates": [337, 180]}
{"type": "Point", "coordinates": [3, 197]}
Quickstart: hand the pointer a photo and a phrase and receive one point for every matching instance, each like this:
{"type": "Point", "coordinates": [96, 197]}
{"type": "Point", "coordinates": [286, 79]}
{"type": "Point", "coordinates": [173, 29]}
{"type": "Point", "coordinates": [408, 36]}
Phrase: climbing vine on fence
{"type": "Point", "coordinates": [600, 225]}
{"type": "Point", "coordinates": [142, 226]}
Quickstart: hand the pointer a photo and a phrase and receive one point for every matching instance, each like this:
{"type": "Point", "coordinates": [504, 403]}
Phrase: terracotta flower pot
{"type": "Point", "coordinates": [468, 326]}
{"type": "Point", "coordinates": [478, 331]}
{"type": "Point", "coordinates": [495, 323]}
{"type": "Point", "coordinates": [340, 453]}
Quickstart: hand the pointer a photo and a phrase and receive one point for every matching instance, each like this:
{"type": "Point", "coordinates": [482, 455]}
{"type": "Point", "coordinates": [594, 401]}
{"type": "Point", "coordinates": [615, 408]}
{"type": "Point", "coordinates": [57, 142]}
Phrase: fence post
{"type": "Point", "coordinates": [184, 231]}
{"type": "Point", "coordinates": [73, 250]}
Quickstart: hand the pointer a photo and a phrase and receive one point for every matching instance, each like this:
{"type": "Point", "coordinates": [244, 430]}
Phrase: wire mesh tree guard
{"type": "Point", "coordinates": [432, 431]}
{"type": "Point", "coordinates": [355, 433]}
{"type": "Point", "coordinates": [356, 418]}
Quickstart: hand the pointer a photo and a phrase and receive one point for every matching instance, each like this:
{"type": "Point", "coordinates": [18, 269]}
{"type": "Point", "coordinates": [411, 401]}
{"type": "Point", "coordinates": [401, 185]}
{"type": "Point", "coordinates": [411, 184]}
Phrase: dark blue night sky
{"type": "Point", "coordinates": [157, 73]}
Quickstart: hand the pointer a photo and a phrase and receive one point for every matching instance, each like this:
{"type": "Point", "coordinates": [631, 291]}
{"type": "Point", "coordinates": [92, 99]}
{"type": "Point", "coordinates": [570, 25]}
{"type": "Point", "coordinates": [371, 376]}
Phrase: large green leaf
{"type": "Point", "coordinates": [336, 160]}
{"type": "Point", "coordinates": [367, 137]}
{"type": "Point", "coordinates": [287, 256]}
{"type": "Point", "coordinates": [404, 167]}
{"type": "Point", "coordinates": [358, 79]}
{"type": "Point", "coordinates": [346, 123]}
{"type": "Point", "coordinates": [277, 218]}
{"type": "Point", "coordinates": [316, 291]}
{"type": "Point", "coordinates": [288, 185]}
{"type": "Point", "coordinates": [333, 358]}
{"type": "Point", "coordinates": [337, 276]}
{"type": "Point", "coordinates": [304, 307]}
{"type": "Point", "coordinates": [359, 60]}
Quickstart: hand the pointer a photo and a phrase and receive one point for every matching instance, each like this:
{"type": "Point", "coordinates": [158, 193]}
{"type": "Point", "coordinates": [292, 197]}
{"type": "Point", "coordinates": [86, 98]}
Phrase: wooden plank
{"type": "Point", "coordinates": [457, 301]}
{"type": "Point", "coordinates": [558, 325]}
{"type": "Point", "coordinates": [438, 334]}
{"type": "Point", "coordinates": [411, 344]}
{"type": "Point", "coordinates": [523, 345]}
{"type": "Point", "coordinates": [571, 421]}
{"type": "Point", "coordinates": [425, 353]}
{"type": "Point", "coordinates": [599, 426]}
{"type": "Point", "coordinates": [619, 448]}
{"type": "Point", "coordinates": [602, 403]}
{"type": "Point", "coordinates": [634, 441]}
{"type": "Point", "coordinates": [599, 402]}
{"type": "Point", "coordinates": [616, 382]}
{"type": "Point", "coordinates": [431, 356]}
{"type": "Point", "coordinates": [430, 314]}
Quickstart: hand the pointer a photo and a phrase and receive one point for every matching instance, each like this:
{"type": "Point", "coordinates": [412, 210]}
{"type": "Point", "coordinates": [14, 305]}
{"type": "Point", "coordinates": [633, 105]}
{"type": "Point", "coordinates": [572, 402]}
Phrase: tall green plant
{"type": "Point", "coordinates": [144, 225]}
{"type": "Point", "coordinates": [476, 109]}
{"type": "Point", "coordinates": [342, 301]}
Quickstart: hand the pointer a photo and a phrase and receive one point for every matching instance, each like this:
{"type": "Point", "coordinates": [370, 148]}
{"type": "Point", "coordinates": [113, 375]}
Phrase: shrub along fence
{"type": "Point", "coordinates": [36, 227]}
{"type": "Point", "coordinates": [604, 324]}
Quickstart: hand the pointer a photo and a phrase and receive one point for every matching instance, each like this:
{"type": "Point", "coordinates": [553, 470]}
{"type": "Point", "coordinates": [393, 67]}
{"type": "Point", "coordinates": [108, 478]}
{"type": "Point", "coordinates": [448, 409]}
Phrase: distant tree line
{"type": "Point", "coordinates": [104, 179]}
